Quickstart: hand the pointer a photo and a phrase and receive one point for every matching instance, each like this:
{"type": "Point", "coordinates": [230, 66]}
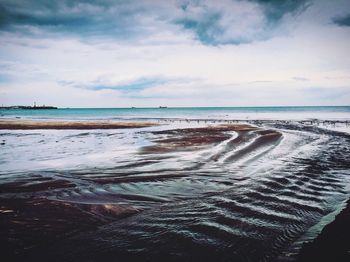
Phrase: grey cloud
{"type": "Point", "coordinates": [126, 86]}
{"type": "Point", "coordinates": [342, 21]}
{"type": "Point", "coordinates": [214, 24]}
{"type": "Point", "coordinates": [328, 94]}
{"type": "Point", "coordinates": [211, 22]}
{"type": "Point", "coordinates": [207, 30]}
{"type": "Point", "coordinates": [83, 17]}
{"type": "Point", "coordinates": [276, 9]}
{"type": "Point", "coordinates": [300, 78]}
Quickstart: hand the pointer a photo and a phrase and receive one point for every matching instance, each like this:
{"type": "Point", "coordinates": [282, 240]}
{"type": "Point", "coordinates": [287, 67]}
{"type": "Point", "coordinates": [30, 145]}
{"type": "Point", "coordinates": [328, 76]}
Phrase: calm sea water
{"type": "Point", "coordinates": [322, 112]}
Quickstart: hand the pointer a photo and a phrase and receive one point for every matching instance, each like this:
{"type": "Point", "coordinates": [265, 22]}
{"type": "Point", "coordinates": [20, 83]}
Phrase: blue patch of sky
{"type": "Point", "coordinates": [5, 78]}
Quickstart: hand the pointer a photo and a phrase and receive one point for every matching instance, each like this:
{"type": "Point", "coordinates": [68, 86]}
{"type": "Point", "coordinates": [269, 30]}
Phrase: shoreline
{"type": "Point", "coordinates": [342, 126]}
{"type": "Point", "coordinates": [75, 125]}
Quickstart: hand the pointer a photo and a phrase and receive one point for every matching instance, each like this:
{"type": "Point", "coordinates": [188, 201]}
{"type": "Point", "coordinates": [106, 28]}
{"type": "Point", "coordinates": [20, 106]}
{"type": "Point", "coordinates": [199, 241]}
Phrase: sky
{"type": "Point", "coordinates": [147, 53]}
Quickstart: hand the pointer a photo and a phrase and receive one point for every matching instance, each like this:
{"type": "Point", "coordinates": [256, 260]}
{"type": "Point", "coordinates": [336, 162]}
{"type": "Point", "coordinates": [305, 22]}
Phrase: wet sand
{"type": "Point", "coordinates": [80, 125]}
{"type": "Point", "coordinates": [223, 192]}
{"type": "Point", "coordinates": [33, 224]}
{"type": "Point", "coordinates": [194, 138]}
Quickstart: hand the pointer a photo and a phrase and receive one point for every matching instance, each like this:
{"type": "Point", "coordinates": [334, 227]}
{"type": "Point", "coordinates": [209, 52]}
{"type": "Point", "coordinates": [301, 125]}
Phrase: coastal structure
{"type": "Point", "coordinates": [29, 107]}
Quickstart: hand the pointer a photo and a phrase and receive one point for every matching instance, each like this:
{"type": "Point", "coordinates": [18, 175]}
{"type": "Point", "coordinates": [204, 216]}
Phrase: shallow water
{"type": "Point", "coordinates": [178, 192]}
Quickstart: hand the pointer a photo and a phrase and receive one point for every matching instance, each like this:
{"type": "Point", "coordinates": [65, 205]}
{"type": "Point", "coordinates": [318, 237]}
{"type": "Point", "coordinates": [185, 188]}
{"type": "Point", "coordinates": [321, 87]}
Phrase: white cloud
{"type": "Point", "coordinates": [49, 68]}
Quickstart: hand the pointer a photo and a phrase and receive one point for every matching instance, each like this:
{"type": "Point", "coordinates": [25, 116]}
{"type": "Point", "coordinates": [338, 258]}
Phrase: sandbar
{"type": "Point", "coordinates": [61, 124]}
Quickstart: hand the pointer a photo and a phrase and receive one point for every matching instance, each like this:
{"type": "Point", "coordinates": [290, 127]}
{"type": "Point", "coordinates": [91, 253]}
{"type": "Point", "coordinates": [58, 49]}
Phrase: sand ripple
{"type": "Point", "coordinates": [225, 193]}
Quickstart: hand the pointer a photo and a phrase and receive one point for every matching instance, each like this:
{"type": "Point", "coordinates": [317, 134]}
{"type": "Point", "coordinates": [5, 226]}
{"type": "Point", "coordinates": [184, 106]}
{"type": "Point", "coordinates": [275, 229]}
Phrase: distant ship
{"type": "Point", "coordinates": [163, 107]}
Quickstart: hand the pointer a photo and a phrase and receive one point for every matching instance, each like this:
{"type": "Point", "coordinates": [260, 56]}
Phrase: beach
{"type": "Point", "coordinates": [175, 189]}
{"type": "Point", "coordinates": [175, 131]}
{"type": "Point", "coordinates": [77, 125]}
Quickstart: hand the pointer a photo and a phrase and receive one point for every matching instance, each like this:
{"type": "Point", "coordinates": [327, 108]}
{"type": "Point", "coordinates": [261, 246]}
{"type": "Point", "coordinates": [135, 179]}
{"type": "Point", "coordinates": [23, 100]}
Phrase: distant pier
{"type": "Point", "coordinates": [35, 107]}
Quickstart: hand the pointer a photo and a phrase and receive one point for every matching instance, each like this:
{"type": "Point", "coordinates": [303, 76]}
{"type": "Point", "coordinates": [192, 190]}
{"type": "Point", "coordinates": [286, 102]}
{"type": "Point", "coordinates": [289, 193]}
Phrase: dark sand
{"type": "Point", "coordinates": [333, 244]}
{"type": "Point", "coordinates": [30, 225]}
{"type": "Point", "coordinates": [69, 216]}
{"type": "Point", "coordinates": [194, 138]}
{"type": "Point", "coordinates": [59, 124]}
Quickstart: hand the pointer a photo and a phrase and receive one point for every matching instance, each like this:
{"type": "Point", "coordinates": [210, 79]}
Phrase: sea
{"type": "Point", "coordinates": [193, 187]}
{"type": "Point", "coordinates": [236, 113]}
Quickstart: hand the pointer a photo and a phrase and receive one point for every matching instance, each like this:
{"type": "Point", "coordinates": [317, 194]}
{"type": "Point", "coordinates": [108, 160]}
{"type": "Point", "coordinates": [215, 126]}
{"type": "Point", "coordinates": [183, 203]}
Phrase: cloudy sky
{"type": "Point", "coordinates": [122, 53]}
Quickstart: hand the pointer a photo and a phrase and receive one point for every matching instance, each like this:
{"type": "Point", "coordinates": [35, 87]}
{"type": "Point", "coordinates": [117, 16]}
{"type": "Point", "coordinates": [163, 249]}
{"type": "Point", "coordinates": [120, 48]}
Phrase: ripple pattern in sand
{"type": "Point", "coordinates": [242, 194]}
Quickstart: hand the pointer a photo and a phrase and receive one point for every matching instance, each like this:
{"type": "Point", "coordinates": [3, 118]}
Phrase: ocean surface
{"type": "Point", "coordinates": [192, 188]}
{"type": "Point", "coordinates": [283, 113]}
